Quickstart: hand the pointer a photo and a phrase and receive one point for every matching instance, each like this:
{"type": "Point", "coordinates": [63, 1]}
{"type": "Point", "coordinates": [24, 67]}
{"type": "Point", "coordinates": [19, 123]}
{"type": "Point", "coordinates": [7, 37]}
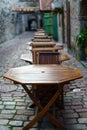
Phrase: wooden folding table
{"type": "Point", "coordinates": [45, 75]}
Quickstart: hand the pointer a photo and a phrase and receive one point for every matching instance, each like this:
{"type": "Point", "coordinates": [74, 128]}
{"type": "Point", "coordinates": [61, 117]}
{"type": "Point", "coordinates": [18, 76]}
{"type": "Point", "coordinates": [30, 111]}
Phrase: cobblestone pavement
{"type": "Point", "coordinates": [14, 102]}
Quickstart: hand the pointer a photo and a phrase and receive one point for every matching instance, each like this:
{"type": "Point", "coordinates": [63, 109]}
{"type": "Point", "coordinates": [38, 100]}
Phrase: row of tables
{"type": "Point", "coordinates": [40, 42]}
{"type": "Point", "coordinates": [39, 74]}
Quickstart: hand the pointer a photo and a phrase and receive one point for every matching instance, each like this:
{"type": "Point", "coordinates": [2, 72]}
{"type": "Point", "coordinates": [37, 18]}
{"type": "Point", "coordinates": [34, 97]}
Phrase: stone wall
{"type": "Point", "coordinates": [74, 24]}
{"type": "Point", "coordinates": [7, 21]}
{"type": "Point", "coordinates": [13, 23]}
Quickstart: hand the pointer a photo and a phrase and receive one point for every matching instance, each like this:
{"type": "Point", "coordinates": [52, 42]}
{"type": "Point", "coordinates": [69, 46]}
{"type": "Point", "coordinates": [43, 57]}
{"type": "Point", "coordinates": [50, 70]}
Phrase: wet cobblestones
{"type": "Point", "coordinates": [14, 103]}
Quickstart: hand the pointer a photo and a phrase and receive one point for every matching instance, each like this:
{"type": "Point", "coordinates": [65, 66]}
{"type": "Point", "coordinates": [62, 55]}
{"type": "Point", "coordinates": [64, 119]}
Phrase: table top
{"type": "Point", "coordinates": [42, 40]}
{"type": "Point", "coordinates": [43, 44]}
{"type": "Point", "coordinates": [43, 74]}
{"type": "Point", "coordinates": [39, 49]}
{"type": "Point", "coordinates": [40, 30]}
{"type": "Point", "coordinates": [40, 36]}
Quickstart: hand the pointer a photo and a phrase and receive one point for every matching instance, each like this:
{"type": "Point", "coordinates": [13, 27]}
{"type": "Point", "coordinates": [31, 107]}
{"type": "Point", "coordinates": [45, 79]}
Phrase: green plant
{"type": "Point", "coordinates": [57, 10]}
{"type": "Point", "coordinates": [81, 38]}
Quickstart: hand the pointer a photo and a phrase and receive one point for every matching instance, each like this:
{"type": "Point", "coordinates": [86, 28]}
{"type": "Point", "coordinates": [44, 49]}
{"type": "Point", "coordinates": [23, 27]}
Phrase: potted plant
{"type": "Point", "coordinates": [81, 40]}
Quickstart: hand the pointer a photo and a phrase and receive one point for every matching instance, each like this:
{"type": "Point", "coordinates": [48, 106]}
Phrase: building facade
{"type": "Point", "coordinates": [71, 21]}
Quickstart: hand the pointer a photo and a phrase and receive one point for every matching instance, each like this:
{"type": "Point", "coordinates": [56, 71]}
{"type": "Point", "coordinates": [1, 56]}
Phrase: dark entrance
{"type": "Point", "coordinates": [32, 25]}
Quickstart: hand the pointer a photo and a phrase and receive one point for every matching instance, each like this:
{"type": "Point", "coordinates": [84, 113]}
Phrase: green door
{"type": "Point", "coordinates": [50, 25]}
{"type": "Point", "coordinates": [55, 28]}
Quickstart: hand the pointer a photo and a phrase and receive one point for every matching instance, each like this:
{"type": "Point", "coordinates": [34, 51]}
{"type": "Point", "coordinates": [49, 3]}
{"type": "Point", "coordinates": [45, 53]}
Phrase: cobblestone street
{"type": "Point", "coordinates": [14, 102]}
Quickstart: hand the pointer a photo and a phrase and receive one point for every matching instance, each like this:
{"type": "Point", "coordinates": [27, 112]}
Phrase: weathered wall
{"type": "Point", "coordinates": [74, 24]}
{"type": "Point", "coordinates": [13, 23]}
{"type": "Point", "coordinates": [78, 17]}
{"type": "Point", "coordinates": [7, 26]}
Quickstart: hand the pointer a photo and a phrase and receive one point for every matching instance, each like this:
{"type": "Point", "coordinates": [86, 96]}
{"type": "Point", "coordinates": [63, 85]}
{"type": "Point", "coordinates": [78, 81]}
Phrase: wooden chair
{"type": "Point", "coordinates": [49, 58]}
{"type": "Point", "coordinates": [36, 50]}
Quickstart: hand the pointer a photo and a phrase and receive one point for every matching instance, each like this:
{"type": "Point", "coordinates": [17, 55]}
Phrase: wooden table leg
{"type": "Point", "coordinates": [44, 110]}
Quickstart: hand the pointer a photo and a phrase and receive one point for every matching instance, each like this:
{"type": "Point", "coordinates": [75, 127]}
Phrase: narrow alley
{"type": "Point", "coordinates": [14, 102]}
{"type": "Point", "coordinates": [57, 22]}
